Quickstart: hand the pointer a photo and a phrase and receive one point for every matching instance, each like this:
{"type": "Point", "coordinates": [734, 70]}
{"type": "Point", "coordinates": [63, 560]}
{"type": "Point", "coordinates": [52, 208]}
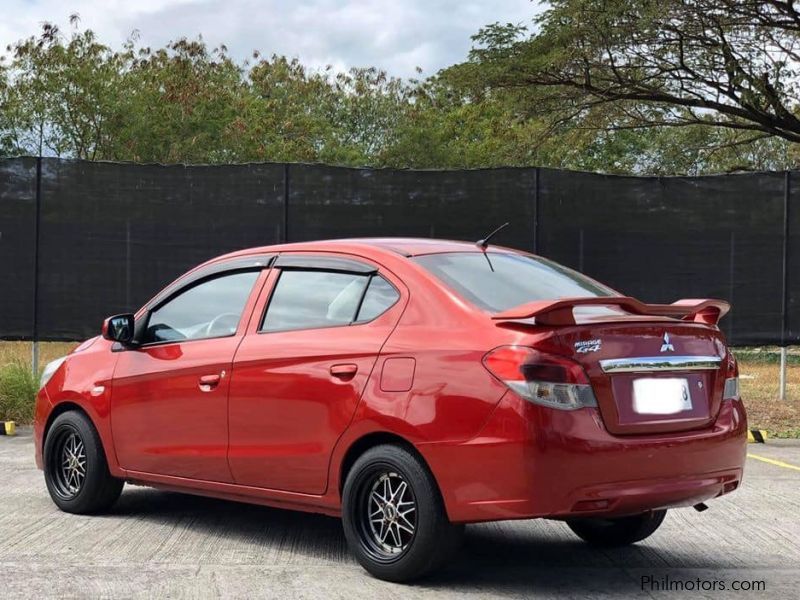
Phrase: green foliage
{"type": "Point", "coordinates": [61, 96]}
{"type": "Point", "coordinates": [510, 104]}
{"type": "Point", "coordinates": [176, 104]}
{"type": "Point", "coordinates": [18, 387]}
{"type": "Point", "coordinates": [769, 355]}
{"type": "Point", "coordinates": [792, 433]}
{"type": "Point", "coordinates": [662, 86]}
{"type": "Point", "coordinates": [189, 103]}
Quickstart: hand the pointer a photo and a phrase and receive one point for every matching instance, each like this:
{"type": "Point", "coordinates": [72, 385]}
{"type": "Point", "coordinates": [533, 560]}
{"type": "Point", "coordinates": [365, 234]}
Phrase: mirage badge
{"type": "Point", "coordinates": [587, 346]}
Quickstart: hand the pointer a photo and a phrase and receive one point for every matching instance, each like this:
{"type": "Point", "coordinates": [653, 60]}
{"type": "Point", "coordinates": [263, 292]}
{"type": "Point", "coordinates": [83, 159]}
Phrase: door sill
{"type": "Point", "coordinates": [238, 493]}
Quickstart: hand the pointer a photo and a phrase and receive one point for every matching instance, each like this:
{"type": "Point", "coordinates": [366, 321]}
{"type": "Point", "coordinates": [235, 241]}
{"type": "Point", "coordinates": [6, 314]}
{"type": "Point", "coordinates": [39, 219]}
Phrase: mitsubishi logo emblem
{"type": "Point", "coordinates": [667, 346]}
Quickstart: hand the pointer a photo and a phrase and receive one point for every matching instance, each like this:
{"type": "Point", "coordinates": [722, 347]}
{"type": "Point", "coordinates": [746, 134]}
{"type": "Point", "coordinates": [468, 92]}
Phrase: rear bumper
{"type": "Point", "coordinates": [530, 461]}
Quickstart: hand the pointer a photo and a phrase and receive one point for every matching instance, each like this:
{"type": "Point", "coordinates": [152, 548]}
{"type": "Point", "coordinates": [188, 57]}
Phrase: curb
{"type": "Point", "coordinates": [756, 436]}
{"type": "Point", "coordinates": [8, 428]}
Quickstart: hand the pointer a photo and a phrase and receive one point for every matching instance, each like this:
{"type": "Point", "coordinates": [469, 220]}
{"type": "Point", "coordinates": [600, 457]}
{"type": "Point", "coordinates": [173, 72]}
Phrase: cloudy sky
{"type": "Point", "coordinates": [396, 35]}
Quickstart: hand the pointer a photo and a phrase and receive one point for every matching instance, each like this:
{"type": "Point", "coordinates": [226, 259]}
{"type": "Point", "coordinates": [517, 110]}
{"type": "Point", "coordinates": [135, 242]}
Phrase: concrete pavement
{"type": "Point", "coordinates": [163, 545]}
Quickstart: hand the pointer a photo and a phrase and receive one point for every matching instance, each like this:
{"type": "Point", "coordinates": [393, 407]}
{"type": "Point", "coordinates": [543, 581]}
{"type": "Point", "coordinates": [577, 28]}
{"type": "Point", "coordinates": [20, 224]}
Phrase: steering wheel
{"type": "Point", "coordinates": [219, 322]}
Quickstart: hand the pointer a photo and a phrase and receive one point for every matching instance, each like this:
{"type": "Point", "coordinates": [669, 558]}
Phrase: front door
{"type": "Point", "coordinates": [300, 372]}
{"type": "Point", "coordinates": [170, 395]}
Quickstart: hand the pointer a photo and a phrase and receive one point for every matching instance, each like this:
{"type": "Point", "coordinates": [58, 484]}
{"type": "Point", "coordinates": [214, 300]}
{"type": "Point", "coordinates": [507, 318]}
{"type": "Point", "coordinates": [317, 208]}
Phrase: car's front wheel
{"type": "Point", "coordinates": [394, 519]}
{"type": "Point", "coordinates": [620, 531]}
{"type": "Point", "coordinates": [75, 467]}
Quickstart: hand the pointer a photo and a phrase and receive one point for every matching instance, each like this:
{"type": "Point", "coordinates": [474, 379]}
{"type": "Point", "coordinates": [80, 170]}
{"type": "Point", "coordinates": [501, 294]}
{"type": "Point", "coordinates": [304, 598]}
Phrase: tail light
{"type": "Point", "coordinates": [731, 389]}
{"type": "Point", "coordinates": [545, 379]}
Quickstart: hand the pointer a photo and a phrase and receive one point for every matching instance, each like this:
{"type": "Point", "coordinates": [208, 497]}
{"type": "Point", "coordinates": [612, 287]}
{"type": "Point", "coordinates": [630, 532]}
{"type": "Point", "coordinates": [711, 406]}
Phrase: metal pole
{"type": "Point", "coordinates": [35, 358]}
{"type": "Point", "coordinates": [732, 284]}
{"type": "Point", "coordinates": [536, 210]}
{"type": "Point", "coordinates": [787, 183]}
{"type": "Point", "coordinates": [128, 256]}
{"type": "Point", "coordinates": [36, 223]}
{"type": "Point", "coordinates": [286, 202]}
{"type": "Point", "coordinates": [782, 390]}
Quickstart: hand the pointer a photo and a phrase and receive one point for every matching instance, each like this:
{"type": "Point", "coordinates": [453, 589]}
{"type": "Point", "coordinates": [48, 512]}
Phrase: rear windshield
{"type": "Point", "coordinates": [498, 281]}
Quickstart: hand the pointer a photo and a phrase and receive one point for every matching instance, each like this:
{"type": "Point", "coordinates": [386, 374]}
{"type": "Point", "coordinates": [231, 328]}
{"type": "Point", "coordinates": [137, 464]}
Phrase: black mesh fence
{"type": "Point", "coordinates": [111, 235]}
{"type": "Point", "coordinates": [327, 202]}
{"type": "Point", "coordinates": [17, 247]}
{"type": "Point", "coordinates": [660, 239]}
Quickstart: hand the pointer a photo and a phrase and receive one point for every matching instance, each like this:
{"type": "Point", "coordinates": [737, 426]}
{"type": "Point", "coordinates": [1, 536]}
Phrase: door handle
{"type": "Point", "coordinates": [345, 372]}
{"type": "Point", "coordinates": [209, 382]}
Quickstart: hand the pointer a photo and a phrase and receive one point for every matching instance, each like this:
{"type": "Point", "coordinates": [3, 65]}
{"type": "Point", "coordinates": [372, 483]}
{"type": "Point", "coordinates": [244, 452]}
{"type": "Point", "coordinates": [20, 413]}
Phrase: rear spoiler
{"type": "Point", "coordinates": [559, 312]}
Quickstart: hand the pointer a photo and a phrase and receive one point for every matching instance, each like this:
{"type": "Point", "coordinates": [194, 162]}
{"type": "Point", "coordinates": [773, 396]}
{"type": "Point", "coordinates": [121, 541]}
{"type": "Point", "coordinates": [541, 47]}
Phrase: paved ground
{"type": "Point", "coordinates": [164, 545]}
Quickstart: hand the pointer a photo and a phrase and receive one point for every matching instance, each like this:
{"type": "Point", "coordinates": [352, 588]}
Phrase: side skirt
{"type": "Point", "coordinates": [238, 493]}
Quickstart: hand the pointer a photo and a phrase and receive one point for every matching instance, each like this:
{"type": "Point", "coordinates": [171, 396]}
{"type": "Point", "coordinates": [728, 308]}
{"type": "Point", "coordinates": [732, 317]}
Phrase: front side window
{"type": "Point", "coordinates": [209, 309]}
{"type": "Point", "coordinates": [497, 281]}
{"type": "Point", "coordinates": [314, 299]}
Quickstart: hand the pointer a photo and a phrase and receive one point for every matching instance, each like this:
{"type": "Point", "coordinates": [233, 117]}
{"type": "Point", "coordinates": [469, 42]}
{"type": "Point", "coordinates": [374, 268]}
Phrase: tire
{"type": "Point", "coordinates": [72, 441]}
{"type": "Point", "coordinates": [621, 531]}
{"type": "Point", "coordinates": [415, 514]}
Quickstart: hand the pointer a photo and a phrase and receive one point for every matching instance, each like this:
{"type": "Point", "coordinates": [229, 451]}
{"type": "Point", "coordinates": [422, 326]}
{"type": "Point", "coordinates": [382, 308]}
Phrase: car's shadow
{"type": "Point", "coordinates": [509, 557]}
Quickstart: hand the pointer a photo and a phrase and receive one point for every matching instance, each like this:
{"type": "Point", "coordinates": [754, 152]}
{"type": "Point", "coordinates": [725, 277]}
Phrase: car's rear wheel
{"type": "Point", "coordinates": [75, 467]}
{"type": "Point", "coordinates": [620, 531]}
{"type": "Point", "coordinates": [393, 515]}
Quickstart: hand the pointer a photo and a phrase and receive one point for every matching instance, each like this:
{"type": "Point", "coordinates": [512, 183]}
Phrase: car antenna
{"type": "Point", "coordinates": [484, 243]}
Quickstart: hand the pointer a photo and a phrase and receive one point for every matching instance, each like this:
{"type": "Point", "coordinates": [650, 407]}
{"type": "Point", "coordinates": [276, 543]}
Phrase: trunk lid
{"type": "Point", "coordinates": [650, 377]}
{"type": "Point", "coordinates": [653, 368]}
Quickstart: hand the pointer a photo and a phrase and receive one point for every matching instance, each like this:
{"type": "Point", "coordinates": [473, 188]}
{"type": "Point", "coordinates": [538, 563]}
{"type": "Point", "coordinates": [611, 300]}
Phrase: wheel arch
{"type": "Point", "coordinates": [60, 409]}
{"type": "Point", "coordinates": [68, 405]}
{"type": "Point", "coordinates": [370, 440]}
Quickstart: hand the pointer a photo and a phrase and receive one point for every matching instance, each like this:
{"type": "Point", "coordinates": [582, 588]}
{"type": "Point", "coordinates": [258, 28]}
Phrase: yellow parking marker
{"type": "Point", "coordinates": [8, 428]}
{"type": "Point", "coordinates": [777, 463]}
{"type": "Point", "coordinates": [756, 436]}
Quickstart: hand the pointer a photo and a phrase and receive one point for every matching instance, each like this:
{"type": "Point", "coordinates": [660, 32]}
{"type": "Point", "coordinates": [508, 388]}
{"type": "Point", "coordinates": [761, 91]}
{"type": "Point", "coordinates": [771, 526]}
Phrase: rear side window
{"type": "Point", "coordinates": [314, 299]}
{"type": "Point", "coordinates": [380, 296]}
{"type": "Point", "coordinates": [496, 281]}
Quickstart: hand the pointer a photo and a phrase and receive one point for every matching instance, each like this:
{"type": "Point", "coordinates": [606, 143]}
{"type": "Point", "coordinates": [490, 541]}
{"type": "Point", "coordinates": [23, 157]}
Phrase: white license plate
{"type": "Point", "coordinates": [662, 396]}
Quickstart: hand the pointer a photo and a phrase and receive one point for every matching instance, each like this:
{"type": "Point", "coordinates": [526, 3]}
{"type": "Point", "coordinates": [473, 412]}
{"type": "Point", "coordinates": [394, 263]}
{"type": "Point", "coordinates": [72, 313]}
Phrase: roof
{"type": "Point", "coordinates": [398, 245]}
{"type": "Point", "coordinates": [412, 246]}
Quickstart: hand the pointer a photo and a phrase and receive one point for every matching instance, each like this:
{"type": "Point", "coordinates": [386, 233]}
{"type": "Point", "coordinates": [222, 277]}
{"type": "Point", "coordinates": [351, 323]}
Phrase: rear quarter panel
{"type": "Point", "coordinates": [451, 395]}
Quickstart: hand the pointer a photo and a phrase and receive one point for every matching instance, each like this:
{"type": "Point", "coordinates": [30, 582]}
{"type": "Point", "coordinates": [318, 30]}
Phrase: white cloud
{"type": "Point", "coordinates": [396, 35]}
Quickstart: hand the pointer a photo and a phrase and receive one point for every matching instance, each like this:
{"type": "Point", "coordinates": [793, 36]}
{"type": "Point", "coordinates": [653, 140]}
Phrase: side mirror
{"type": "Point", "coordinates": [119, 328]}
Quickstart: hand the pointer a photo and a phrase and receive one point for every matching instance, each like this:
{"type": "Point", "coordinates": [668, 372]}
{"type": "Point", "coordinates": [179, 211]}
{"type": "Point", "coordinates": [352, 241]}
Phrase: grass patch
{"type": "Point", "coordinates": [759, 381]}
{"type": "Point", "coordinates": [768, 355]}
{"type": "Point", "coordinates": [787, 434]}
{"type": "Point", "coordinates": [18, 387]}
{"type": "Point", "coordinates": [18, 384]}
{"type": "Point", "coordinates": [21, 351]}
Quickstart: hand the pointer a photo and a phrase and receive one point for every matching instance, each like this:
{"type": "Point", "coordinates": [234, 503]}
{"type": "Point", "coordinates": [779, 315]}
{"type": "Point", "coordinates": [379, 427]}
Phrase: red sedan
{"type": "Point", "coordinates": [409, 386]}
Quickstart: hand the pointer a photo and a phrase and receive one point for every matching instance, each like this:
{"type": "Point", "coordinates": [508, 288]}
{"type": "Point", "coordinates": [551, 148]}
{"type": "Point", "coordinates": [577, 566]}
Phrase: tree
{"type": "Point", "coordinates": [61, 96]}
{"type": "Point", "coordinates": [653, 63]}
{"type": "Point", "coordinates": [572, 94]}
{"type": "Point", "coordinates": [8, 145]}
{"type": "Point", "coordinates": [178, 104]}
{"type": "Point", "coordinates": [285, 111]}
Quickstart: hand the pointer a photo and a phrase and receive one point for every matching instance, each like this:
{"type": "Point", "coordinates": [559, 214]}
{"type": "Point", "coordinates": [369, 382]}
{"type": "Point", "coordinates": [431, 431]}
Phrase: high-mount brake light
{"type": "Point", "coordinates": [541, 378]}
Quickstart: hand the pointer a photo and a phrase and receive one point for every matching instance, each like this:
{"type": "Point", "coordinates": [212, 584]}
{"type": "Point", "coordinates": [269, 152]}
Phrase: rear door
{"type": "Point", "coordinates": [301, 369]}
